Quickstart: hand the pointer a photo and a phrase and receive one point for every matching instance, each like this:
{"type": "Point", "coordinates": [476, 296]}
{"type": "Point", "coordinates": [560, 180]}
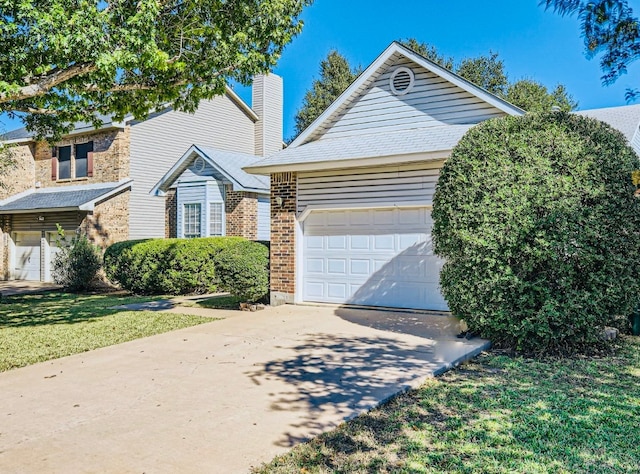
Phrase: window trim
{"type": "Point", "coordinates": [223, 227]}
{"type": "Point", "coordinates": [73, 153]}
{"type": "Point", "coordinates": [184, 220]}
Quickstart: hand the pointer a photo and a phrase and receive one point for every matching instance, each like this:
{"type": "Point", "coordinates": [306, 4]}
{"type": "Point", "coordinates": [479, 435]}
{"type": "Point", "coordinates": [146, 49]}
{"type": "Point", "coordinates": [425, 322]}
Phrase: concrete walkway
{"type": "Point", "coordinates": [220, 397]}
{"type": "Point", "coordinates": [21, 287]}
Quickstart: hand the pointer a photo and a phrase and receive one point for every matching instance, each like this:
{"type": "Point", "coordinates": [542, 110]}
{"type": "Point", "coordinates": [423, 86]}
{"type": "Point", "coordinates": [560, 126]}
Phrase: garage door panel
{"type": "Point", "coordinates": [384, 242]}
{"type": "Point", "coordinates": [315, 289]}
{"type": "Point", "coordinates": [382, 258]}
{"type": "Point", "coordinates": [360, 267]}
{"type": "Point", "coordinates": [314, 242]}
{"type": "Point", "coordinates": [337, 291]}
{"type": "Point", "coordinates": [385, 217]}
{"type": "Point", "coordinates": [337, 242]}
{"type": "Point", "coordinates": [359, 242]}
{"type": "Point", "coordinates": [314, 265]}
{"type": "Point", "coordinates": [360, 218]}
{"type": "Point", "coordinates": [337, 266]}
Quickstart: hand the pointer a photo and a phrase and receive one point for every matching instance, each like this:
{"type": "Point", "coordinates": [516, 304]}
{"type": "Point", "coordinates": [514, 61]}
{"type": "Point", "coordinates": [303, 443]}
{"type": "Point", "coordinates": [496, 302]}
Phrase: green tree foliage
{"type": "Point", "coordinates": [610, 29]}
{"type": "Point", "coordinates": [532, 96]}
{"type": "Point", "coordinates": [538, 223]}
{"type": "Point", "coordinates": [430, 52]}
{"type": "Point", "coordinates": [64, 61]}
{"type": "Point", "coordinates": [486, 72]}
{"type": "Point", "coordinates": [335, 76]}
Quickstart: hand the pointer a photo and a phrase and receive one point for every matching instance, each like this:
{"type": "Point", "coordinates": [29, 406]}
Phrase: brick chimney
{"type": "Point", "coordinates": [267, 103]}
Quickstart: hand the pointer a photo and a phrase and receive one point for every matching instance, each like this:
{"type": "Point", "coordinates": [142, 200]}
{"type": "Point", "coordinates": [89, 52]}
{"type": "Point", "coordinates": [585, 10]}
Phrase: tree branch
{"type": "Point", "coordinates": [48, 82]}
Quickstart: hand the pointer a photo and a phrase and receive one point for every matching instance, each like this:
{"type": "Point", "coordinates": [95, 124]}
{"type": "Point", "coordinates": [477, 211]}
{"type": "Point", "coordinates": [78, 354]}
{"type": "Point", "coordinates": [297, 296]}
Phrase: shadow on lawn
{"type": "Point", "coordinates": [331, 374]}
{"type": "Point", "coordinates": [57, 308]}
{"type": "Point", "coordinates": [496, 415]}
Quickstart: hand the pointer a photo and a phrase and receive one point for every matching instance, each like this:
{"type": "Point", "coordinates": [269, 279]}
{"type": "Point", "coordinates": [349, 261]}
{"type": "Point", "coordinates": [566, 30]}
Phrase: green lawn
{"type": "Point", "coordinates": [220, 302]}
{"type": "Point", "coordinates": [495, 415]}
{"type": "Point", "coordinates": [35, 328]}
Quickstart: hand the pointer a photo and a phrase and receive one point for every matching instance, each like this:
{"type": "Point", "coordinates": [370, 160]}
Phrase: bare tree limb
{"type": "Point", "coordinates": [48, 82]}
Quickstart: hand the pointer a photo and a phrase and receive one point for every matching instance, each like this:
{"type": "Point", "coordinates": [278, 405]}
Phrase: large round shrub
{"type": "Point", "coordinates": [536, 218]}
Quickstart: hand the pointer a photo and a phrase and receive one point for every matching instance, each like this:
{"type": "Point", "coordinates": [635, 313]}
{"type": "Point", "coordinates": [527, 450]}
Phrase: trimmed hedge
{"type": "Point", "coordinates": [242, 270]}
{"type": "Point", "coordinates": [178, 266]}
{"type": "Point", "coordinates": [536, 218]}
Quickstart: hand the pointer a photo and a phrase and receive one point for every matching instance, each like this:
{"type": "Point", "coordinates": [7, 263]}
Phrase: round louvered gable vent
{"type": "Point", "coordinates": [199, 165]}
{"type": "Point", "coordinates": [402, 80]}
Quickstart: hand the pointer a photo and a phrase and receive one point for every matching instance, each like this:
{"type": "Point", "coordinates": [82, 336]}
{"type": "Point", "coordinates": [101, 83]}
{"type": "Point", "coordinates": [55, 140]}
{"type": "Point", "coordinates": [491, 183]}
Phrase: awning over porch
{"type": "Point", "coordinates": [68, 198]}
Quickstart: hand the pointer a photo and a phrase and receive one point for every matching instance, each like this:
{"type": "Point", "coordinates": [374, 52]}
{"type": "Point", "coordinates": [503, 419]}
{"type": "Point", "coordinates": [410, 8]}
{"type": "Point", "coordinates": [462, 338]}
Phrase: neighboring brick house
{"type": "Point", "coordinates": [208, 194]}
{"type": "Point", "coordinates": [97, 182]}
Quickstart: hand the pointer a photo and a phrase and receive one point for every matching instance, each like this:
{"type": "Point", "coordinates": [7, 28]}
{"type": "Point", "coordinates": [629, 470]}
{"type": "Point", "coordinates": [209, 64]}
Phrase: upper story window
{"type": "Point", "coordinates": [83, 151]}
{"type": "Point", "coordinates": [64, 162]}
{"type": "Point", "coordinates": [72, 162]}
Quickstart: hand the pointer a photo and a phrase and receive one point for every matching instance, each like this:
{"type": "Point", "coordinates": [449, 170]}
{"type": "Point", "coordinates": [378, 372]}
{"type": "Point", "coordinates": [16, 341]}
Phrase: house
{"type": "Point", "coordinates": [97, 182]}
{"type": "Point", "coordinates": [625, 119]}
{"type": "Point", "coordinates": [212, 195]}
{"type": "Point", "coordinates": [351, 197]}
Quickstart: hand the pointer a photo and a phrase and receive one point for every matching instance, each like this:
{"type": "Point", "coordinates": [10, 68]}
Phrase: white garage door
{"type": "Point", "coordinates": [27, 260]}
{"type": "Point", "coordinates": [374, 257]}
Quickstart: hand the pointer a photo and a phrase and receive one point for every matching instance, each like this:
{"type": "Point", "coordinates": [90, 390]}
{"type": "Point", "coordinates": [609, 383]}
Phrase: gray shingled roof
{"type": "Point", "coordinates": [24, 134]}
{"type": "Point", "coordinates": [423, 140]}
{"type": "Point", "coordinates": [228, 164]}
{"type": "Point", "coordinates": [56, 198]}
{"type": "Point", "coordinates": [625, 118]}
{"type": "Point", "coordinates": [232, 162]}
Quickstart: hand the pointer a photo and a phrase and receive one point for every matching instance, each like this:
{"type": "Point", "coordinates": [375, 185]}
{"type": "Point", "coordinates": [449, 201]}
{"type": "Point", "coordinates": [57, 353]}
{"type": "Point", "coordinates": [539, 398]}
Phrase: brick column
{"type": "Point", "coordinates": [241, 210]}
{"type": "Point", "coordinates": [171, 214]}
{"type": "Point", "coordinates": [283, 237]}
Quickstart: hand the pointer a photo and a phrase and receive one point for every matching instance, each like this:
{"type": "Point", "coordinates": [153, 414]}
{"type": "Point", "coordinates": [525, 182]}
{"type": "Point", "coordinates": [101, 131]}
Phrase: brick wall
{"type": "Point", "coordinates": [283, 242]}
{"type": "Point", "coordinates": [110, 158]}
{"type": "Point", "coordinates": [17, 169]}
{"type": "Point", "coordinates": [171, 214]}
{"type": "Point", "coordinates": [109, 222]}
{"type": "Point", "coordinates": [17, 172]}
{"type": "Point", "coordinates": [241, 209]}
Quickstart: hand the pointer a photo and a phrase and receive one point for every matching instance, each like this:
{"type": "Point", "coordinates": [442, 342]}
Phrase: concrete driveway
{"type": "Point", "coordinates": [220, 397]}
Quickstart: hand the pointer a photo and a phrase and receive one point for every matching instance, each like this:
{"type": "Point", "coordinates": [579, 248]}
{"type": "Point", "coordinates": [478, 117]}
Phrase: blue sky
{"type": "Point", "coordinates": [532, 42]}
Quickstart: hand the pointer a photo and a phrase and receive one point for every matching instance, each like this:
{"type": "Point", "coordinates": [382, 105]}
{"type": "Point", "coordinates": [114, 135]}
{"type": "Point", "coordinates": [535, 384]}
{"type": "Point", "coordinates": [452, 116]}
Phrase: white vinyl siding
{"type": "Point", "coordinates": [432, 101]}
{"type": "Point", "coordinates": [264, 218]}
{"type": "Point", "coordinates": [192, 221]}
{"type": "Point", "coordinates": [406, 183]}
{"type": "Point", "coordinates": [216, 219]}
{"type": "Point", "coordinates": [157, 143]}
{"type": "Point", "coordinates": [209, 195]}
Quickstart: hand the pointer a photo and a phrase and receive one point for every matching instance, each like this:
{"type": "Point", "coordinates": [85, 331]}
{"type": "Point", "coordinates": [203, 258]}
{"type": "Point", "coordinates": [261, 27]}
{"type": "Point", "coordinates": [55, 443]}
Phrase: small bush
{"type": "Point", "coordinates": [77, 263]}
{"type": "Point", "coordinates": [242, 270]}
{"type": "Point", "coordinates": [166, 266]}
{"type": "Point", "coordinates": [536, 218]}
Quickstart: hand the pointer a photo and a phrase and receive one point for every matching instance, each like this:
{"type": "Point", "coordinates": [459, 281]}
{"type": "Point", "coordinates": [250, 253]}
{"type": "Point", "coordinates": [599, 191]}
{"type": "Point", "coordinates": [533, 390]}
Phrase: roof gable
{"type": "Point", "coordinates": [438, 97]}
{"type": "Point", "coordinates": [221, 164]}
